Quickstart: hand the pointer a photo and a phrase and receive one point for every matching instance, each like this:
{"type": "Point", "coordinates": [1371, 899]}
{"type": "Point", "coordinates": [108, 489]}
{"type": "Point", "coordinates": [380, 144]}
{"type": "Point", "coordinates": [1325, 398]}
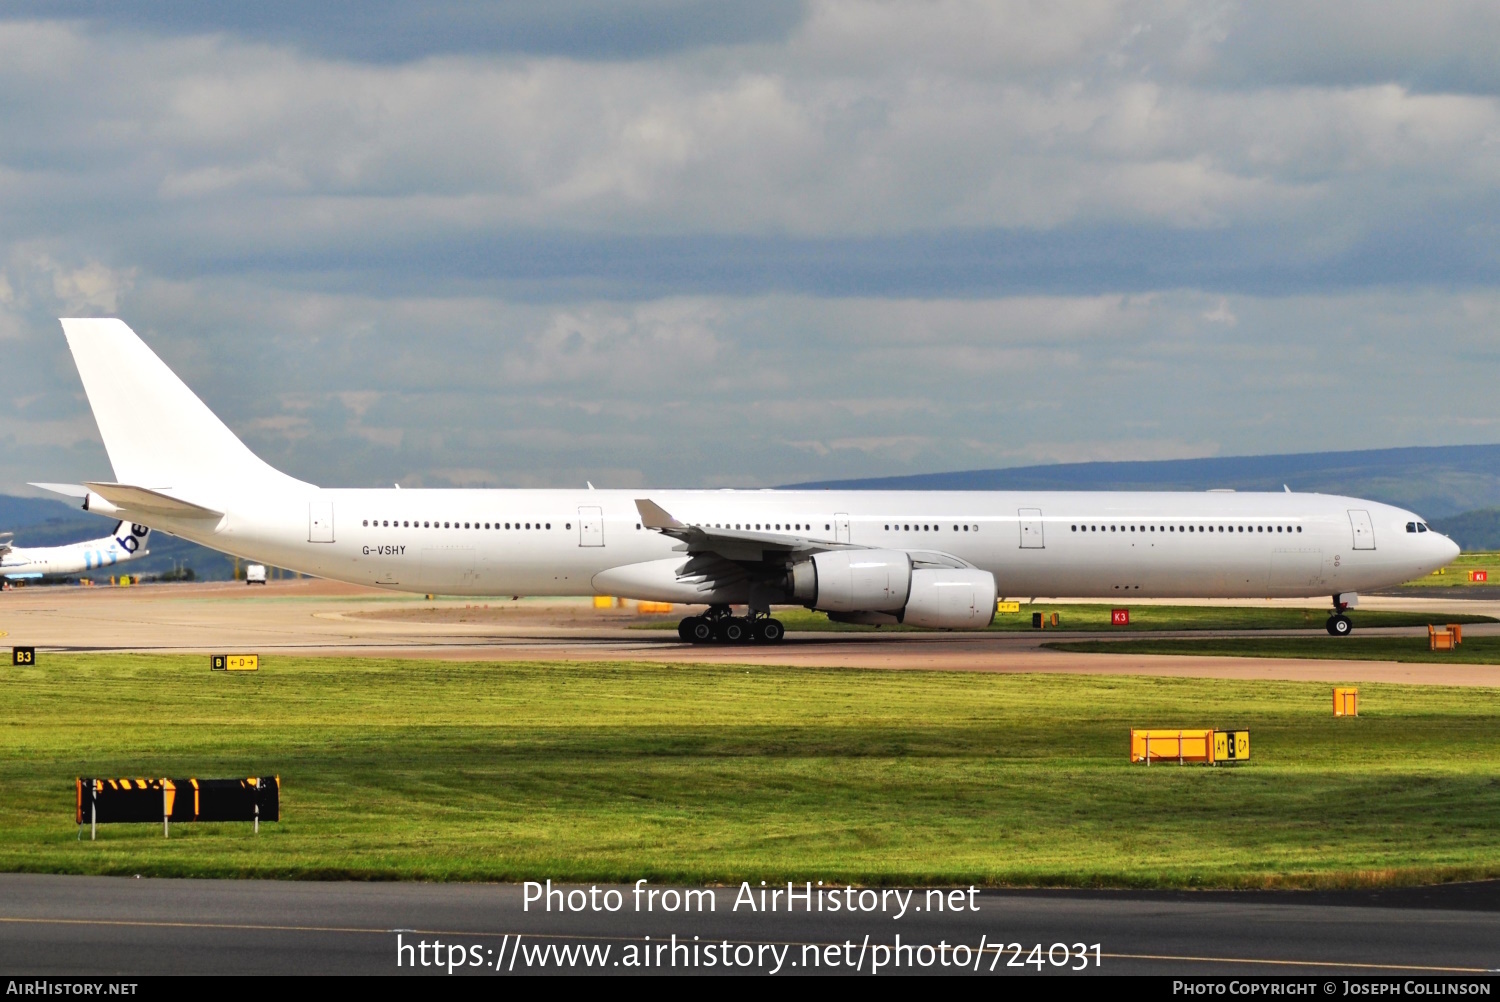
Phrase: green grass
{"type": "Point", "coordinates": [1456, 574]}
{"type": "Point", "coordinates": [1088, 617]}
{"type": "Point", "coordinates": [1474, 650]}
{"type": "Point", "coordinates": [481, 771]}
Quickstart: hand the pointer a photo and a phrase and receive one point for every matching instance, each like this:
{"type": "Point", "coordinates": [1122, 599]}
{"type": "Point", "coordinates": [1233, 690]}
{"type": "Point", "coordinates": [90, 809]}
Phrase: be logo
{"type": "Point", "coordinates": [1119, 617]}
{"type": "Point", "coordinates": [132, 542]}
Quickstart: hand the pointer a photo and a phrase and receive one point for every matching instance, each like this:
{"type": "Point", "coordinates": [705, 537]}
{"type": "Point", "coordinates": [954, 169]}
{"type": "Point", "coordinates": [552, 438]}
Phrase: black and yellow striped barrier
{"type": "Point", "coordinates": [117, 801]}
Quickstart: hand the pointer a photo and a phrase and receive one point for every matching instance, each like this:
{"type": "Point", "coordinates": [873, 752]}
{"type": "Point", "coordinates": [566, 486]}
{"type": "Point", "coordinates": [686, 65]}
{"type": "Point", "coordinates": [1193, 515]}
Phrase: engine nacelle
{"type": "Point", "coordinates": [854, 580]}
{"type": "Point", "coordinates": [950, 599]}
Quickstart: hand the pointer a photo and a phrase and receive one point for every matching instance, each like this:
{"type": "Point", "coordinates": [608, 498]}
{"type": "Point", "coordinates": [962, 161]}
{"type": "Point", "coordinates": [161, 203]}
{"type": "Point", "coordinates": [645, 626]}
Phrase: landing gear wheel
{"type": "Point", "coordinates": [769, 631]}
{"type": "Point", "coordinates": [1339, 625]}
{"type": "Point", "coordinates": [700, 630]}
{"type": "Point", "coordinates": [733, 630]}
{"type": "Point", "coordinates": [685, 628]}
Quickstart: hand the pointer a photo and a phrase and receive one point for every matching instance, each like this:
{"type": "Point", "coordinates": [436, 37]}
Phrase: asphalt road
{"type": "Point", "coordinates": [65, 925]}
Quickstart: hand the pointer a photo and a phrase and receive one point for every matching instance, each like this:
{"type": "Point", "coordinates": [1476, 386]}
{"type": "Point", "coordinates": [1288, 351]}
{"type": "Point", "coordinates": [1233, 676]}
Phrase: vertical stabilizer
{"type": "Point", "coordinates": [157, 432]}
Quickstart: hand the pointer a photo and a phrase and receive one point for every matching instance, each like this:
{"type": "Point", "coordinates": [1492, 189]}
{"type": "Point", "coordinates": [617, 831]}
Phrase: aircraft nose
{"type": "Point", "coordinates": [1451, 550]}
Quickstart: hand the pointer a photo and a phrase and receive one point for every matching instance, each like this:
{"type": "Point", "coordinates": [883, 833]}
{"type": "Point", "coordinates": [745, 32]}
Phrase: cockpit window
{"type": "Point", "coordinates": [1411, 527]}
{"type": "Point", "coordinates": [1421, 526]}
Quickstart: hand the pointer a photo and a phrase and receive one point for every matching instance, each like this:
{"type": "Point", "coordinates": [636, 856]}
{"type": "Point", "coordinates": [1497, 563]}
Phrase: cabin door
{"type": "Point", "coordinates": [1364, 531]}
{"type": "Point", "coordinates": [320, 522]}
{"type": "Point", "coordinates": [590, 526]}
{"type": "Point", "coordinates": [1031, 529]}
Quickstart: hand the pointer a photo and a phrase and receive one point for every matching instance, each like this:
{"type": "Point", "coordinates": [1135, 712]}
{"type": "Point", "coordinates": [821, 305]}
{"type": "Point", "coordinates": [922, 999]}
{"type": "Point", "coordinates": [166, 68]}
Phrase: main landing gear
{"type": "Point", "coordinates": [720, 626]}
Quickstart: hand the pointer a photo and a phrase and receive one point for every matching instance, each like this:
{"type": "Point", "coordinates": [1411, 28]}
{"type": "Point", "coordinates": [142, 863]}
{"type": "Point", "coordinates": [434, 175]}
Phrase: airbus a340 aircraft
{"type": "Point", "coordinates": [30, 562]}
{"type": "Point", "coordinates": [928, 558]}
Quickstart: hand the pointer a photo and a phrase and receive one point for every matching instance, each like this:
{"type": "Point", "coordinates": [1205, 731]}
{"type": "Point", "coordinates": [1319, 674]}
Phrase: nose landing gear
{"type": "Point", "coordinates": [719, 625]}
{"type": "Point", "coordinates": [1338, 623]}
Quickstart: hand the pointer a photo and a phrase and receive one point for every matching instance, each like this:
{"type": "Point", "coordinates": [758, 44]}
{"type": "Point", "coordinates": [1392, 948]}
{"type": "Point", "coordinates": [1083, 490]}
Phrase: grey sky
{"type": "Point", "coordinates": [692, 243]}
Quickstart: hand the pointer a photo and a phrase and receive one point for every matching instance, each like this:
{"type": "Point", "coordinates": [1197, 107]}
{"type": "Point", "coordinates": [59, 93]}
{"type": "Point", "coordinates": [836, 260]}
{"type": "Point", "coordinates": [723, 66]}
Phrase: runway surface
{"type": "Point", "coordinates": [312, 617]}
{"type": "Point", "coordinates": [122, 926]}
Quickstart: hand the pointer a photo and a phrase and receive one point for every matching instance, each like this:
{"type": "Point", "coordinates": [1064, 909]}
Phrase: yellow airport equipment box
{"type": "Point", "coordinates": [1204, 745]}
{"type": "Point", "coordinates": [1440, 640]}
{"type": "Point", "coordinates": [653, 607]}
{"type": "Point", "coordinates": [604, 601]}
{"type": "Point", "coordinates": [1172, 746]}
{"type": "Point", "coordinates": [1346, 702]}
{"type": "Point", "coordinates": [1457, 629]}
{"type": "Point", "coordinates": [1007, 606]}
{"type": "Point", "coordinates": [1056, 619]}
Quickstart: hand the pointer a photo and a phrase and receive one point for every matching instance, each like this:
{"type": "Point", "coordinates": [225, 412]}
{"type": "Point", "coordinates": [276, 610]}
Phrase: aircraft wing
{"type": "Point", "coordinates": [5, 542]}
{"type": "Point", "coordinates": [733, 544]}
{"type": "Point", "coordinates": [737, 546]}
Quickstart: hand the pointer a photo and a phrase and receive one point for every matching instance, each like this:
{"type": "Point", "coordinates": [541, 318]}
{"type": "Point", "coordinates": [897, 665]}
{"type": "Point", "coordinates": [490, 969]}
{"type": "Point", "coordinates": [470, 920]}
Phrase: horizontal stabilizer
{"type": "Point", "coordinates": [148, 502]}
{"type": "Point", "coordinates": [67, 490]}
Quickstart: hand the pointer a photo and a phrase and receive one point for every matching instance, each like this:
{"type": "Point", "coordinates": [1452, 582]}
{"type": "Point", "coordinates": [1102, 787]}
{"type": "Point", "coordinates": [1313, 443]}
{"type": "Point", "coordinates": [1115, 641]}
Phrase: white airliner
{"type": "Point", "coordinates": [929, 558]}
{"type": "Point", "coordinates": [30, 562]}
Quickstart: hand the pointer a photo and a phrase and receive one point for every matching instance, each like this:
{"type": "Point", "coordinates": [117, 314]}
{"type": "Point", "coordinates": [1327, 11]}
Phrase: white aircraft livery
{"type": "Point", "coordinates": [30, 562]}
{"type": "Point", "coordinates": [935, 559]}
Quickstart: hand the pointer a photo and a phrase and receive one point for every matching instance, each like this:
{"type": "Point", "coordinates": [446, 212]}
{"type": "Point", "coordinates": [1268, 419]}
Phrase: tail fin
{"type": "Point", "coordinates": [133, 538]}
{"type": "Point", "coordinates": [157, 432]}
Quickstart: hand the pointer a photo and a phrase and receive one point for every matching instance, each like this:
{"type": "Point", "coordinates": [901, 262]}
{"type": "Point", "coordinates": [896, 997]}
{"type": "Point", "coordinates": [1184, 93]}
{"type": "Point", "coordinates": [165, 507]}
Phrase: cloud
{"type": "Point", "coordinates": [716, 244]}
{"type": "Point", "coordinates": [390, 31]}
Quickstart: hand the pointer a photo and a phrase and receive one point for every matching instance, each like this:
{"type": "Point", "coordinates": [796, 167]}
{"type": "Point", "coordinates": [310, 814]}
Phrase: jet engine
{"type": "Point", "coordinates": [882, 586]}
{"type": "Point", "coordinates": [956, 599]}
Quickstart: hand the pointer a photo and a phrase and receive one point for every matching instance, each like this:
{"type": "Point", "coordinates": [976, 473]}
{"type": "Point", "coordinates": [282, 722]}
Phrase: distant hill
{"type": "Point", "coordinates": [1473, 530]}
{"type": "Point", "coordinates": [1435, 482]}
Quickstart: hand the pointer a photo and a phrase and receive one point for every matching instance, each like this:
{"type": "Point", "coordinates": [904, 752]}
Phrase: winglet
{"type": "Point", "coordinates": [653, 516]}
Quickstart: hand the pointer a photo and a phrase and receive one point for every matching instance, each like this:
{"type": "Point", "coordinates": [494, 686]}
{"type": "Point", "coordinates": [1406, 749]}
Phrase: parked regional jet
{"type": "Point", "coordinates": [20, 563]}
{"type": "Point", "coordinates": [929, 558]}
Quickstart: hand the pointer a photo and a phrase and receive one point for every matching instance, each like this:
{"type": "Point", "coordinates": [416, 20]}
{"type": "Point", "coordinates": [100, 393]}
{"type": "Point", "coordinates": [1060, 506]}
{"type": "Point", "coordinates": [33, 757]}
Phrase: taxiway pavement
{"type": "Point", "coordinates": [71, 925]}
{"type": "Point", "coordinates": [311, 617]}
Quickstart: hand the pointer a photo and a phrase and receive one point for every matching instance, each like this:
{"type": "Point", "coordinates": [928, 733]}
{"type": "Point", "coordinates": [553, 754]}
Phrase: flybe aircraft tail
{"type": "Point", "coordinates": [157, 432]}
{"type": "Point", "coordinates": [132, 539]}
